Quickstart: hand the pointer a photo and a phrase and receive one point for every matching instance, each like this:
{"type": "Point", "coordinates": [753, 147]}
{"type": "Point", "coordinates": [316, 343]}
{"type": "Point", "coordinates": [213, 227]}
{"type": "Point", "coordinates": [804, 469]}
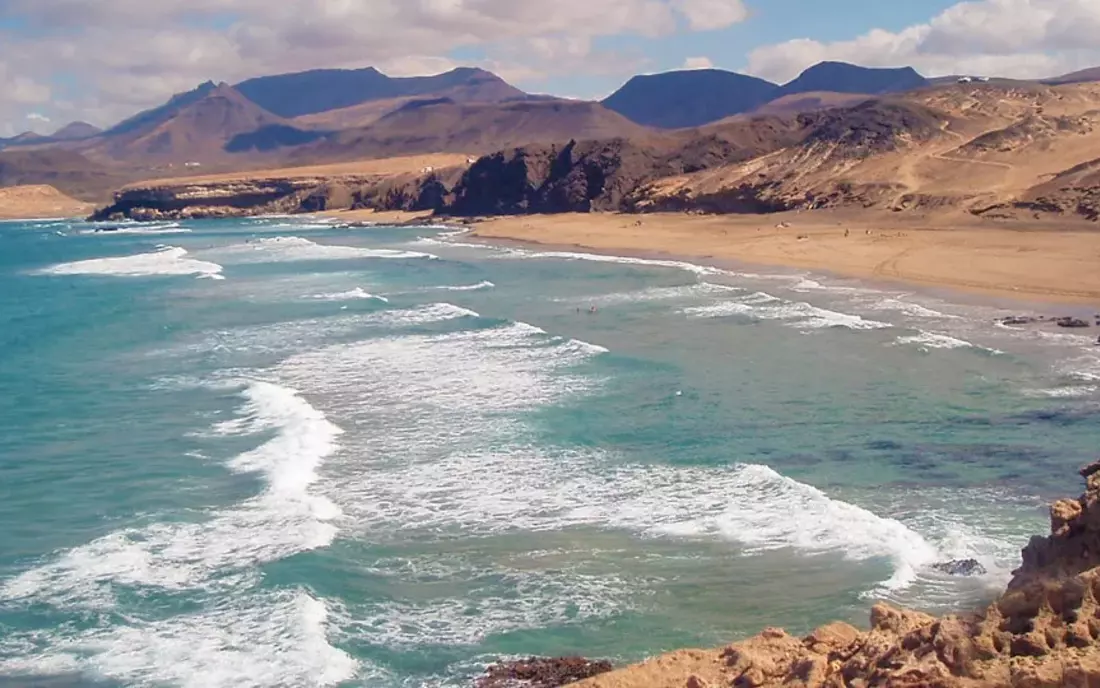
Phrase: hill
{"type": "Point", "coordinates": [38, 201]}
{"type": "Point", "coordinates": [323, 90]}
{"type": "Point", "coordinates": [69, 171]}
{"type": "Point", "coordinates": [75, 131]}
{"type": "Point", "coordinates": [692, 98]}
{"type": "Point", "coordinates": [688, 98]}
{"type": "Point", "coordinates": [191, 126]}
{"type": "Point", "coordinates": [841, 77]}
{"type": "Point", "coordinates": [1080, 76]}
{"type": "Point", "coordinates": [440, 125]}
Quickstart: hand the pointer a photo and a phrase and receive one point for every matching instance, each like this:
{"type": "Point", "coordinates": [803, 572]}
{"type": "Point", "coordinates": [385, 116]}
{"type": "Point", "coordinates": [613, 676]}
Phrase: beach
{"type": "Point", "coordinates": [1025, 262]}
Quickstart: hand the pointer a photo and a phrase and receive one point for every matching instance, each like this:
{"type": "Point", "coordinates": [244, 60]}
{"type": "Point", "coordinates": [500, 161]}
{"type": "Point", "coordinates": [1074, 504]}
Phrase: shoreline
{"type": "Point", "coordinates": [1024, 265]}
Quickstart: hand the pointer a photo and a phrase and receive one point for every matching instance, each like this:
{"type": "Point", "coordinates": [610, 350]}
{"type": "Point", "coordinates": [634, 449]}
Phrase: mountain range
{"type": "Point", "coordinates": [336, 115]}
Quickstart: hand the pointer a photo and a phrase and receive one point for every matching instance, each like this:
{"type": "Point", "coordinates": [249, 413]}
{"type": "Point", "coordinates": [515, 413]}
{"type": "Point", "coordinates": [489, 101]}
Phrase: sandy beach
{"type": "Point", "coordinates": [1021, 262]}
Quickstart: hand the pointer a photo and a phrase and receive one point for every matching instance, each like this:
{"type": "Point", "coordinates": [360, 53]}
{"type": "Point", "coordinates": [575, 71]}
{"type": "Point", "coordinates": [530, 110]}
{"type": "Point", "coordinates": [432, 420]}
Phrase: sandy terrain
{"type": "Point", "coordinates": [40, 200]}
{"type": "Point", "coordinates": [382, 166]}
{"type": "Point", "coordinates": [1029, 261]}
{"type": "Point", "coordinates": [1032, 263]}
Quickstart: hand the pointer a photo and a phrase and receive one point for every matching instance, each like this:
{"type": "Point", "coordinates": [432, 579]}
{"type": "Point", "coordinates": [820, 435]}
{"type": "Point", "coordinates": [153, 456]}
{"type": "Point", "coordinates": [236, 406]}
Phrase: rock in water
{"type": "Point", "coordinates": [1071, 322]}
{"type": "Point", "coordinates": [541, 672]}
{"type": "Point", "coordinates": [960, 567]}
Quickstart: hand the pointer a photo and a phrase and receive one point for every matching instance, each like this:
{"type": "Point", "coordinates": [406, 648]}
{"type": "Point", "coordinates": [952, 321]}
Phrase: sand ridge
{"type": "Point", "coordinates": [38, 201]}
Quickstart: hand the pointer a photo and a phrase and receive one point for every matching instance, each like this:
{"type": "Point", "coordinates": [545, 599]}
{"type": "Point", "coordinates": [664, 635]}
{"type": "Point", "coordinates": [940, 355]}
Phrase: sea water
{"type": "Point", "coordinates": [275, 452]}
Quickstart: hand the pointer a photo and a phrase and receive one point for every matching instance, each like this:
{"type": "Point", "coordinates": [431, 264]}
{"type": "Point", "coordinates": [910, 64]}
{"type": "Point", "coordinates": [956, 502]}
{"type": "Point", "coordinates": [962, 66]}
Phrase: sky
{"type": "Point", "coordinates": [102, 60]}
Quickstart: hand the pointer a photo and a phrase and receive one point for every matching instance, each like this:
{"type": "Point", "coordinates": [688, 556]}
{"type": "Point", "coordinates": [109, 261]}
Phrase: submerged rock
{"type": "Point", "coordinates": [960, 567]}
{"type": "Point", "coordinates": [1020, 320]}
{"type": "Point", "coordinates": [1071, 322]}
{"type": "Point", "coordinates": [541, 672]}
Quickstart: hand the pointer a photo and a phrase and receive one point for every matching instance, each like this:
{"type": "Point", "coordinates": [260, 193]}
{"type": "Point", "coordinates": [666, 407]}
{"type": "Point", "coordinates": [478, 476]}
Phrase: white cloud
{"type": "Point", "coordinates": [172, 45]}
{"type": "Point", "coordinates": [698, 63]}
{"type": "Point", "coordinates": [707, 15]}
{"type": "Point", "coordinates": [1014, 38]}
{"type": "Point", "coordinates": [38, 117]}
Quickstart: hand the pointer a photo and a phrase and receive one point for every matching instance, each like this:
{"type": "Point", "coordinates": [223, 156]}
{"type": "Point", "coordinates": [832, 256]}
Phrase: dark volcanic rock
{"type": "Point", "coordinates": [960, 567]}
{"type": "Point", "coordinates": [541, 672]}
{"type": "Point", "coordinates": [1071, 322]}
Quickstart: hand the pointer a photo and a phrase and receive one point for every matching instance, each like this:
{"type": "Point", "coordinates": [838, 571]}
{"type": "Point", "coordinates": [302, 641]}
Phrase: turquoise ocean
{"type": "Point", "coordinates": [275, 452]}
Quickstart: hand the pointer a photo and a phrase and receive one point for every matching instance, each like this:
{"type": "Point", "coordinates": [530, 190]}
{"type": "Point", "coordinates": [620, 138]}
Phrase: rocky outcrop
{"type": "Point", "coordinates": [541, 672]}
{"type": "Point", "coordinates": [216, 198]}
{"type": "Point", "coordinates": [1044, 632]}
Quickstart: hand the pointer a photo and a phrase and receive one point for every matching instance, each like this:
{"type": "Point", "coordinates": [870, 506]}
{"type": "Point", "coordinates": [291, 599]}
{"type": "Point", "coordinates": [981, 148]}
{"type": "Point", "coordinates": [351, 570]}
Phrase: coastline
{"type": "Point", "coordinates": [1023, 263]}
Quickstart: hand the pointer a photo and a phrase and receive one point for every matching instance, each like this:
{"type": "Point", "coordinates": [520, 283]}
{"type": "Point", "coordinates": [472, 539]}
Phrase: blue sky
{"type": "Point", "coordinates": [102, 60]}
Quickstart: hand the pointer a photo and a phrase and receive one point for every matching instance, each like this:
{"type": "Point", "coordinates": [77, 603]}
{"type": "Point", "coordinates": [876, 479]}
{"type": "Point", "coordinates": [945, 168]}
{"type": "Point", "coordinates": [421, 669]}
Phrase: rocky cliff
{"type": "Point", "coordinates": [393, 183]}
{"type": "Point", "coordinates": [1043, 632]}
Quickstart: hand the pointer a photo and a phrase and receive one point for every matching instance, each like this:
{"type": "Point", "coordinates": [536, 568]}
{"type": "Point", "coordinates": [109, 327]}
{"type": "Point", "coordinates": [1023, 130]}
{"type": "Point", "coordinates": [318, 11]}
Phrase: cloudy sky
{"type": "Point", "coordinates": [101, 60]}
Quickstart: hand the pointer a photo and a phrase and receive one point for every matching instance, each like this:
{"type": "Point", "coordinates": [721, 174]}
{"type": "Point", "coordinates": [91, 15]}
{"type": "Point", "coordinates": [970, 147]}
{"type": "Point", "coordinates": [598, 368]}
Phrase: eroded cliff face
{"type": "Point", "coordinates": [234, 198]}
{"type": "Point", "coordinates": [1044, 632]}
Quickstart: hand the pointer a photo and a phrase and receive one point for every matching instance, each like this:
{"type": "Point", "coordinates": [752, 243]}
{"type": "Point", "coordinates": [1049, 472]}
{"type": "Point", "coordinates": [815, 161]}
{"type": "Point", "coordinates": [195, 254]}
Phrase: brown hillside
{"type": "Point", "coordinates": [69, 171]}
{"type": "Point", "coordinates": [38, 201]}
{"type": "Point", "coordinates": [443, 126]}
{"type": "Point", "coordinates": [196, 131]}
{"type": "Point", "coordinates": [983, 149]}
{"type": "Point", "coordinates": [807, 102]}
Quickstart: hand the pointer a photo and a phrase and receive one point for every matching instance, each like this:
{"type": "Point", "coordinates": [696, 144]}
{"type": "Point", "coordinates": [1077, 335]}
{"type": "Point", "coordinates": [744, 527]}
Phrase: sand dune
{"type": "Point", "coordinates": [40, 200]}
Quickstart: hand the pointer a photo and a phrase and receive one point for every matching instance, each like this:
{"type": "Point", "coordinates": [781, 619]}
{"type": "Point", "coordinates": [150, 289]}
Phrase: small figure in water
{"type": "Point", "coordinates": [592, 309]}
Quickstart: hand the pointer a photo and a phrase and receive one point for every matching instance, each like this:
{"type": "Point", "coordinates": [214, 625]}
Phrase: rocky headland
{"type": "Point", "coordinates": [1043, 632]}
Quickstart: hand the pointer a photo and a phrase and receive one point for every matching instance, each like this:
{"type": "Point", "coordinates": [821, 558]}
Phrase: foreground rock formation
{"type": "Point", "coordinates": [1043, 632]}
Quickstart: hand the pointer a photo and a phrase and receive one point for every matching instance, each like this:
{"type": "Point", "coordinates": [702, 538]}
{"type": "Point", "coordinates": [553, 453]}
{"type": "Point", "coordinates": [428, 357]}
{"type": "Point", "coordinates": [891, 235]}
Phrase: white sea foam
{"type": "Point", "coordinates": [283, 520]}
{"type": "Point", "coordinates": [531, 600]}
{"type": "Point", "coordinates": [170, 228]}
{"type": "Point", "coordinates": [685, 291]}
{"type": "Point", "coordinates": [169, 260]}
{"type": "Point", "coordinates": [1067, 392]}
{"type": "Point", "coordinates": [622, 260]}
{"type": "Point", "coordinates": [468, 287]}
{"type": "Point", "coordinates": [909, 308]}
{"type": "Point", "coordinates": [292, 248]}
{"type": "Point", "coordinates": [932, 340]}
{"type": "Point", "coordinates": [357, 293]}
{"type": "Point", "coordinates": [254, 640]}
{"type": "Point", "coordinates": [800, 315]}
{"type": "Point", "coordinates": [433, 472]}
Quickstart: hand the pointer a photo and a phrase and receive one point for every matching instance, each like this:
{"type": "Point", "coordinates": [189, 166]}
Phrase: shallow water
{"type": "Point", "coordinates": [270, 452]}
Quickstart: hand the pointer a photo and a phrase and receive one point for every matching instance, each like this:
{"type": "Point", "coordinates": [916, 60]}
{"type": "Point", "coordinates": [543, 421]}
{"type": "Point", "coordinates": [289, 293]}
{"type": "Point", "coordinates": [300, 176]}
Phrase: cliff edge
{"type": "Point", "coordinates": [1044, 631]}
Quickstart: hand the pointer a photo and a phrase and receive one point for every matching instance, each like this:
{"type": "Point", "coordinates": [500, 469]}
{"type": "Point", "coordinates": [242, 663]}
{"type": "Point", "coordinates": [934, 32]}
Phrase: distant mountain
{"type": "Point", "coordinates": [193, 125]}
{"type": "Point", "coordinates": [74, 131]}
{"type": "Point", "coordinates": [691, 98]}
{"type": "Point", "coordinates": [322, 90]}
{"type": "Point", "coordinates": [841, 77]}
{"type": "Point", "coordinates": [1080, 76]}
{"type": "Point", "coordinates": [688, 98]}
{"type": "Point", "coordinates": [440, 125]}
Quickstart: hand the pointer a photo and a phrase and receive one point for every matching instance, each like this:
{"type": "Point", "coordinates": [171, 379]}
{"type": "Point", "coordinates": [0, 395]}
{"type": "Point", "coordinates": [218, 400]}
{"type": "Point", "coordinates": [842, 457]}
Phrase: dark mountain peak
{"type": "Point", "coordinates": [688, 98]}
{"type": "Point", "coordinates": [842, 77]}
{"type": "Point", "coordinates": [322, 90]}
{"type": "Point", "coordinates": [76, 130]}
